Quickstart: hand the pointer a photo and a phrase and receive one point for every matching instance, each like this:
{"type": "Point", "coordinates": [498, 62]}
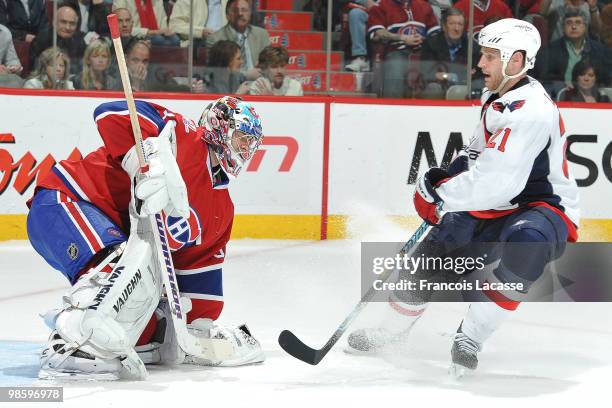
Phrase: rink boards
{"type": "Point", "coordinates": [323, 160]}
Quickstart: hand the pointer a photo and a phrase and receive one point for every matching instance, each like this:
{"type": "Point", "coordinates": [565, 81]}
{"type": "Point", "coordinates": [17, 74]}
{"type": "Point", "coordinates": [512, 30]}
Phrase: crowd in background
{"type": "Point", "coordinates": [401, 48]}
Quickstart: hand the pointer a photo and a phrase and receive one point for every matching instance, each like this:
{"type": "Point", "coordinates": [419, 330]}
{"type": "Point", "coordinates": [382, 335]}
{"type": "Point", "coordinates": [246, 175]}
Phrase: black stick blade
{"type": "Point", "coordinates": [295, 347]}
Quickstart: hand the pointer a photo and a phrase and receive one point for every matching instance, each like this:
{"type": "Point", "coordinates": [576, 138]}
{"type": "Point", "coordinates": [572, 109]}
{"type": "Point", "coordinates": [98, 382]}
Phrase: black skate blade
{"type": "Point", "coordinates": [296, 348]}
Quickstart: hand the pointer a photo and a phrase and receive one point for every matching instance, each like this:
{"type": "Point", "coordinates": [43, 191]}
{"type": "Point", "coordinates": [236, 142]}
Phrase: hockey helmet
{"type": "Point", "coordinates": [233, 128]}
{"type": "Point", "coordinates": [510, 35]}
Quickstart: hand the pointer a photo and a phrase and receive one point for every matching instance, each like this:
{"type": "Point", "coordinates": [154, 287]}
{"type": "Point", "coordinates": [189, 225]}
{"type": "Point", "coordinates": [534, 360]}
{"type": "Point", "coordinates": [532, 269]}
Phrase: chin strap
{"type": "Point", "coordinates": [508, 77]}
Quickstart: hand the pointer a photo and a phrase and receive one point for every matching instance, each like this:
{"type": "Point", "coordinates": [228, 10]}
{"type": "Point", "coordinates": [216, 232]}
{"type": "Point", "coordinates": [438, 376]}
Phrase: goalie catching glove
{"type": "Point", "coordinates": [162, 187]}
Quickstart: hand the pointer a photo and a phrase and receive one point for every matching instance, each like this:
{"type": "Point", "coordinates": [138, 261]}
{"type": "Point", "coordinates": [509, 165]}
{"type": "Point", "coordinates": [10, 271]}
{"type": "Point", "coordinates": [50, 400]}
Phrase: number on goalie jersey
{"type": "Point", "coordinates": [81, 208]}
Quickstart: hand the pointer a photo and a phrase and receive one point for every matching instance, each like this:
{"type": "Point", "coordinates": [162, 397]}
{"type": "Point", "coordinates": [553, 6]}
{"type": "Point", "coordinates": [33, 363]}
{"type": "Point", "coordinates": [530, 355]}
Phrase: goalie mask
{"type": "Point", "coordinates": [233, 129]}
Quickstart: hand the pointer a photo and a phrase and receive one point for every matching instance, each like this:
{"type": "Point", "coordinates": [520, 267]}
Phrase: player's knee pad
{"type": "Point", "coordinates": [105, 313]}
{"type": "Point", "coordinates": [525, 255]}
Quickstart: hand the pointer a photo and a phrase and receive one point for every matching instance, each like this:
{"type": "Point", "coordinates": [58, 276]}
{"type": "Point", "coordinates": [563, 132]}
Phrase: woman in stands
{"type": "Point", "coordinates": [42, 76]}
{"type": "Point", "coordinates": [584, 88]}
{"type": "Point", "coordinates": [222, 75]}
{"type": "Point", "coordinates": [96, 64]}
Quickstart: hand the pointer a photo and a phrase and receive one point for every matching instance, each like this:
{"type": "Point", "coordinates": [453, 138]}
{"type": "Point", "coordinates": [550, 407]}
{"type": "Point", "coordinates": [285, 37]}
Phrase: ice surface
{"type": "Point", "coordinates": [545, 355]}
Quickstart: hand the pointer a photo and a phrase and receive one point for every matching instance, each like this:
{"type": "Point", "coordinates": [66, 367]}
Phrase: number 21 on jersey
{"type": "Point", "coordinates": [493, 139]}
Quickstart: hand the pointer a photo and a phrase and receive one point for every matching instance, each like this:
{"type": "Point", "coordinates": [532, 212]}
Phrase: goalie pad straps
{"type": "Point", "coordinates": [105, 313]}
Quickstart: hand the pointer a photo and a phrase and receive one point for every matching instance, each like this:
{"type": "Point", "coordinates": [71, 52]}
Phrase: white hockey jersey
{"type": "Point", "coordinates": [516, 157]}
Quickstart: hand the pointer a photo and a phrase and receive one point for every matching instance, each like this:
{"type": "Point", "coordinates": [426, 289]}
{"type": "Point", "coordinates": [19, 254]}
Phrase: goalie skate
{"type": "Point", "coordinates": [62, 361]}
{"type": "Point", "coordinates": [164, 349]}
{"type": "Point", "coordinates": [247, 349]}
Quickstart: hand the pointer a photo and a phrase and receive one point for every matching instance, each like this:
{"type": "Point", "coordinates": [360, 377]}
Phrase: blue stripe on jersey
{"type": "Point", "coordinates": [538, 187]}
{"type": "Point", "coordinates": [142, 107]}
{"type": "Point", "coordinates": [67, 183]}
{"type": "Point", "coordinates": [205, 283]}
{"type": "Point", "coordinates": [459, 165]}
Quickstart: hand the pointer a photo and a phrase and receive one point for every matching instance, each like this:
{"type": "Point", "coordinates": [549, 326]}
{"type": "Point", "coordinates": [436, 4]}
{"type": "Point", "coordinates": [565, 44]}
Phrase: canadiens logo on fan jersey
{"type": "Point", "coordinates": [182, 233]}
{"type": "Point", "coordinates": [512, 106]}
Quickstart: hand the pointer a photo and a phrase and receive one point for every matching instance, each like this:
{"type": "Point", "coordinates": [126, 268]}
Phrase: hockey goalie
{"type": "Point", "coordinates": [89, 220]}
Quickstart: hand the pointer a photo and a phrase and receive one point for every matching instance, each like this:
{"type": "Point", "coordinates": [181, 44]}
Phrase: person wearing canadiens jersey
{"type": "Point", "coordinates": [84, 220]}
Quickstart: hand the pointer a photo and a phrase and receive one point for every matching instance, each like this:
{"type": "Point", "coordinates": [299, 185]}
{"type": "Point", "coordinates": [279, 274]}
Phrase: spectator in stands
{"type": "Point", "coordinates": [137, 56]}
{"type": "Point", "coordinates": [357, 20]}
{"type": "Point", "coordinates": [483, 10]}
{"type": "Point", "coordinates": [554, 64]}
{"type": "Point", "coordinates": [208, 16]}
{"type": "Point", "coordinates": [555, 11]}
{"type": "Point", "coordinates": [272, 62]}
{"type": "Point", "coordinates": [43, 76]}
{"type": "Point", "coordinates": [222, 75]}
{"type": "Point", "coordinates": [402, 26]}
{"type": "Point", "coordinates": [92, 17]}
{"type": "Point", "coordinates": [150, 20]}
{"type": "Point", "coordinates": [25, 24]}
{"type": "Point", "coordinates": [96, 64]}
{"type": "Point", "coordinates": [251, 39]}
{"type": "Point", "coordinates": [126, 25]}
{"type": "Point", "coordinates": [9, 62]}
{"type": "Point", "coordinates": [584, 85]}
{"type": "Point", "coordinates": [69, 38]}
{"type": "Point", "coordinates": [444, 53]}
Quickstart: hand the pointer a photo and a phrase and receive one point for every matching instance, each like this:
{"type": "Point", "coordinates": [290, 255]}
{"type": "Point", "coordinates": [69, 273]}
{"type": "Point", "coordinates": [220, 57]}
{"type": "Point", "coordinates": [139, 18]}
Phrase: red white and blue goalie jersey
{"type": "Point", "coordinates": [515, 158]}
{"type": "Point", "coordinates": [198, 243]}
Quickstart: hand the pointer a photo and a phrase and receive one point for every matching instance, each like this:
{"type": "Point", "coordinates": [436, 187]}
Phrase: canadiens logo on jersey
{"type": "Point", "coordinates": [512, 106]}
{"type": "Point", "coordinates": [182, 233]}
{"type": "Point", "coordinates": [409, 28]}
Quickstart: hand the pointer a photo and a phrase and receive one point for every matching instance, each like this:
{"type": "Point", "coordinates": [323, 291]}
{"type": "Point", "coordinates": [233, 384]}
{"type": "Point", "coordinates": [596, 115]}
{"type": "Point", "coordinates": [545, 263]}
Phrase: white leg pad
{"type": "Point", "coordinates": [105, 313]}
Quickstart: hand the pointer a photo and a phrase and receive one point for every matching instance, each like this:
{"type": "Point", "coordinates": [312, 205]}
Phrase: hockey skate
{"type": "Point", "coordinates": [373, 340]}
{"type": "Point", "coordinates": [164, 348]}
{"type": "Point", "coordinates": [62, 361]}
{"type": "Point", "coordinates": [247, 349]}
{"type": "Point", "coordinates": [464, 354]}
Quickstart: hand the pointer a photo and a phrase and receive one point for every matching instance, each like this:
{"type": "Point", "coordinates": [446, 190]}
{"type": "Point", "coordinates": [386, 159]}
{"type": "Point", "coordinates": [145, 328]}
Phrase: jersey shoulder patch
{"type": "Point", "coordinates": [511, 106]}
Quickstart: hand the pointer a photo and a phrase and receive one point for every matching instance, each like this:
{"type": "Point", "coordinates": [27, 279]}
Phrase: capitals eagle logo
{"type": "Point", "coordinates": [512, 106]}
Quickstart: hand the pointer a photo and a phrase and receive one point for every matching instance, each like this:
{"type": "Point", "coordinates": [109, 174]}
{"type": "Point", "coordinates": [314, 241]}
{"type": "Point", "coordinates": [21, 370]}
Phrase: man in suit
{"type": "Point", "coordinates": [24, 24]}
{"type": "Point", "coordinates": [251, 39]}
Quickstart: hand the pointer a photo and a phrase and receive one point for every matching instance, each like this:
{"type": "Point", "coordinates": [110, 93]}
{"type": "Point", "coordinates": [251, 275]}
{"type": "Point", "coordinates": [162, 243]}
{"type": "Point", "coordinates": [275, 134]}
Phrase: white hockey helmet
{"type": "Point", "coordinates": [508, 36]}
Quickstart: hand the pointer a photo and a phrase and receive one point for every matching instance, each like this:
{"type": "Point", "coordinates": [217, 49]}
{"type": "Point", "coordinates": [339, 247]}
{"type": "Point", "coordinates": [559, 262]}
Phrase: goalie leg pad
{"type": "Point", "coordinates": [105, 313]}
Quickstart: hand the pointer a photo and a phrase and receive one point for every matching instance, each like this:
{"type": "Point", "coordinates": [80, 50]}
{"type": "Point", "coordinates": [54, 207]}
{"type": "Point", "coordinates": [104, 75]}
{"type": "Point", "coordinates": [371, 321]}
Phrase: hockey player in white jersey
{"type": "Point", "coordinates": [511, 184]}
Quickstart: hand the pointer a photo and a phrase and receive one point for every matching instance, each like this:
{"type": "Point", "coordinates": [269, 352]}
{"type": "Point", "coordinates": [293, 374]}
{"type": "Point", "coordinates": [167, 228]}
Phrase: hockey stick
{"type": "Point", "coordinates": [209, 349]}
{"type": "Point", "coordinates": [295, 347]}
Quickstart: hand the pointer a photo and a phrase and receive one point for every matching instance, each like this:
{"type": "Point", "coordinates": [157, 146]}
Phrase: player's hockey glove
{"type": "Point", "coordinates": [162, 187]}
{"type": "Point", "coordinates": [425, 198]}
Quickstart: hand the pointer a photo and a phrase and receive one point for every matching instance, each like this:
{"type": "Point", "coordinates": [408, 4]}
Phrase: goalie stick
{"type": "Point", "coordinates": [209, 349]}
{"type": "Point", "coordinates": [295, 347]}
